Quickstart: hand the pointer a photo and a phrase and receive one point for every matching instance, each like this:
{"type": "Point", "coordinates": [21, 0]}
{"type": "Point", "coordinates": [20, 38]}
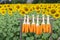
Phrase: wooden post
{"type": "Point", "coordinates": [21, 29]}
{"type": "Point", "coordinates": [21, 19]}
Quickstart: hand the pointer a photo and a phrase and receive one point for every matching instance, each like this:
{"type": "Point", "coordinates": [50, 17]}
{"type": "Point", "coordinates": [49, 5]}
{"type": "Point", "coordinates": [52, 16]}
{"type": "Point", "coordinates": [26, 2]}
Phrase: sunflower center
{"type": "Point", "coordinates": [37, 7]}
{"type": "Point", "coordinates": [53, 11]}
{"type": "Point", "coordinates": [59, 11]}
{"type": "Point", "coordinates": [18, 7]}
{"type": "Point", "coordinates": [10, 8]}
{"type": "Point", "coordinates": [4, 6]}
{"type": "Point", "coordinates": [26, 9]}
{"type": "Point", "coordinates": [49, 7]}
{"type": "Point", "coordinates": [48, 10]}
{"type": "Point", "coordinates": [23, 12]}
{"type": "Point", "coordinates": [45, 8]}
{"type": "Point", "coordinates": [3, 12]}
{"type": "Point", "coordinates": [30, 9]}
{"type": "Point", "coordinates": [8, 5]}
{"type": "Point", "coordinates": [57, 15]}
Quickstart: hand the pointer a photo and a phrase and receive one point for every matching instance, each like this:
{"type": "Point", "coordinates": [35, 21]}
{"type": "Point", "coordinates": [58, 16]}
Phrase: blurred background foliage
{"type": "Point", "coordinates": [25, 1]}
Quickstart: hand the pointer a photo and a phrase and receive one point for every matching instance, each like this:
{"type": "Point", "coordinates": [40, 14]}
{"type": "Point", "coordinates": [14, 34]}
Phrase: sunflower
{"type": "Point", "coordinates": [8, 5]}
{"type": "Point", "coordinates": [26, 9]}
{"type": "Point", "coordinates": [56, 16]}
{"type": "Point", "coordinates": [58, 4]}
{"type": "Point", "coordinates": [48, 6]}
{"type": "Point", "coordinates": [58, 7]}
{"type": "Point", "coordinates": [44, 6]}
{"type": "Point", "coordinates": [10, 9]}
{"type": "Point", "coordinates": [5, 6]}
{"type": "Point", "coordinates": [17, 7]}
{"type": "Point", "coordinates": [10, 13]}
{"type": "Point", "coordinates": [43, 11]}
{"type": "Point", "coordinates": [38, 11]}
{"type": "Point", "coordinates": [53, 5]}
{"type": "Point", "coordinates": [58, 10]}
{"type": "Point", "coordinates": [3, 12]}
{"type": "Point", "coordinates": [22, 12]}
{"type": "Point", "coordinates": [52, 11]}
{"type": "Point", "coordinates": [41, 6]}
{"type": "Point", "coordinates": [31, 9]}
{"type": "Point", "coordinates": [1, 6]}
{"type": "Point", "coordinates": [47, 12]}
{"type": "Point", "coordinates": [37, 7]}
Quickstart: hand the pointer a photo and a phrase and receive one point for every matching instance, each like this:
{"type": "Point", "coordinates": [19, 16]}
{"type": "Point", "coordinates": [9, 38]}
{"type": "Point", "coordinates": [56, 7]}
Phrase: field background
{"type": "Point", "coordinates": [12, 10]}
{"type": "Point", "coordinates": [10, 25]}
{"type": "Point", "coordinates": [25, 1]}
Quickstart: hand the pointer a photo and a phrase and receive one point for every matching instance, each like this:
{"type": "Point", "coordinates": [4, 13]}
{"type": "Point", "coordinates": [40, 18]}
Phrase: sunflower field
{"type": "Point", "coordinates": [10, 23]}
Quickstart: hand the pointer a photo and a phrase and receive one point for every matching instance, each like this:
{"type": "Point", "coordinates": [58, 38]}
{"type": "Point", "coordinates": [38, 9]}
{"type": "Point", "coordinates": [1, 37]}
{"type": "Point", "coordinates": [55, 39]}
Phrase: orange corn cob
{"type": "Point", "coordinates": [27, 25]}
{"type": "Point", "coordinates": [49, 30]}
{"type": "Point", "coordinates": [23, 27]}
{"type": "Point", "coordinates": [38, 28]}
{"type": "Point", "coordinates": [27, 28]}
{"type": "Point", "coordinates": [33, 25]}
{"type": "Point", "coordinates": [48, 26]}
{"type": "Point", "coordinates": [43, 25]}
{"type": "Point", "coordinates": [33, 28]}
{"type": "Point", "coordinates": [24, 24]}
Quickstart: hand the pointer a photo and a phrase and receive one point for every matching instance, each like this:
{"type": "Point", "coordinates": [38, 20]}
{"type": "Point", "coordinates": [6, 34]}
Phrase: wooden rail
{"type": "Point", "coordinates": [21, 20]}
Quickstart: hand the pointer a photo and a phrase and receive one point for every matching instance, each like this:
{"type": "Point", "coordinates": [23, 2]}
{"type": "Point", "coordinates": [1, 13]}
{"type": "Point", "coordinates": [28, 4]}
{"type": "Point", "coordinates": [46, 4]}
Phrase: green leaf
{"type": "Point", "coordinates": [0, 30]}
{"type": "Point", "coordinates": [37, 36]}
{"type": "Point", "coordinates": [45, 36]}
{"type": "Point", "coordinates": [39, 39]}
{"type": "Point", "coordinates": [58, 32]}
{"type": "Point", "coordinates": [15, 38]}
{"type": "Point", "coordinates": [28, 38]}
{"type": "Point", "coordinates": [4, 34]}
{"type": "Point", "coordinates": [54, 36]}
{"type": "Point", "coordinates": [24, 35]}
{"type": "Point", "coordinates": [32, 38]}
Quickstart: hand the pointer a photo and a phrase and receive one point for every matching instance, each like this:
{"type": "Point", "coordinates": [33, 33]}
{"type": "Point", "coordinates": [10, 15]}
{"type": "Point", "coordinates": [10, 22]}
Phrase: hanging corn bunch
{"type": "Point", "coordinates": [43, 24]}
{"type": "Point", "coordinates": [33, 25]}
{"type": "Point", "coordinates": [36, 27]}
{"type": "Point", "coordinates": [48, 26]}
{"type": "Point", "coordinates": [24, 24]}
{"type": "Point", "coordinates": [28, 25]}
